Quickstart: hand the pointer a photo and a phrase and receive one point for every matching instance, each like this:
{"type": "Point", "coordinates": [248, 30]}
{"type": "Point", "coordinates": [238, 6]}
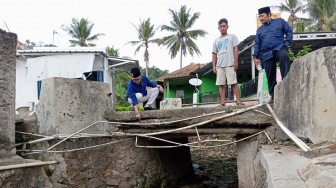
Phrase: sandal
{"type": "Point", "coordinates": [222, 104]}
{"type": "Point", "coordinates": [240, 104]}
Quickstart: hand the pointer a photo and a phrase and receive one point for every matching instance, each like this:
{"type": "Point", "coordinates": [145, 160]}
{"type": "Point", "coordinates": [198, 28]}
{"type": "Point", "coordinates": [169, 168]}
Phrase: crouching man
{"type": "Point", "coordinates": [137, 91]}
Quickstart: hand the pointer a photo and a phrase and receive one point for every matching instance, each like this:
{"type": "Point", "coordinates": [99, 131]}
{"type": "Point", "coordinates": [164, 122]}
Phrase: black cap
{"type": "Point", "coordinates": [135, 72]}
{"type": "Point", "coordinates": [264, 10]}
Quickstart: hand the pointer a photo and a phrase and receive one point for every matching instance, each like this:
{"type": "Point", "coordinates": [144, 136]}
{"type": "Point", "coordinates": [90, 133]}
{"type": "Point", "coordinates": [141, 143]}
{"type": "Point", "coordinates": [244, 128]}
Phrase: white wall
{"type": "Point", "coordinates": [25, 91]}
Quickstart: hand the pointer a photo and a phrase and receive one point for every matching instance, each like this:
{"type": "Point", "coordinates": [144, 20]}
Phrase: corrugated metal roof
{"type": "Point", "coordinates": [41, 51]}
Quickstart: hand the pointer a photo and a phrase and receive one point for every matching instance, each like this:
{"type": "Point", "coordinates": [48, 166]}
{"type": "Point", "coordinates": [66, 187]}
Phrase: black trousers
{"type": "Point", "coordinates": [282, 57]}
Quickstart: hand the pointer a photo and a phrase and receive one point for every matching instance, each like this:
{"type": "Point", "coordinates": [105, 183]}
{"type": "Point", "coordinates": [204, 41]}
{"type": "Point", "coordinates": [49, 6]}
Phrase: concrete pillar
{"type": "Point", "coordinates": [7, 95]}
{"type": "Point", "coordinates": [68, 105]}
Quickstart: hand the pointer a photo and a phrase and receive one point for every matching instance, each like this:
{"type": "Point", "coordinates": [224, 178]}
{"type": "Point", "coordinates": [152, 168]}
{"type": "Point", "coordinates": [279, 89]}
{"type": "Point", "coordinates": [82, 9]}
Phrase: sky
{"type": "Point", "coordinates": [36, 19]}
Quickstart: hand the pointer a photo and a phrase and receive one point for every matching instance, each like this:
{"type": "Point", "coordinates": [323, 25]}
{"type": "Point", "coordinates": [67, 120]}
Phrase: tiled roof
{"type": "Point", "coordinates": [185, 71]}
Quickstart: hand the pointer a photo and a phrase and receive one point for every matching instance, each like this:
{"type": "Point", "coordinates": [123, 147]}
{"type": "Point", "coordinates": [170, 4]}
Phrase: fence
{"type": "Point", "coordinates": [213, 96]}
{"type": "Point", "coordinates": [249, 88]}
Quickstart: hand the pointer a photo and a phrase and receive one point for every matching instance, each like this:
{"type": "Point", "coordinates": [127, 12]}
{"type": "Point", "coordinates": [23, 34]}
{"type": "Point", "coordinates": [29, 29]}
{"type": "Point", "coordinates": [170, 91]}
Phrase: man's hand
{"type": "Point", "coordinates": [235, 67]}
{"type": "Point", "coordinates": [160, 88]}
{"type": "Point", "coordinates": [214, 70]}
{"type": "Point", "coordinates": [138, 115]}
{"type": "Point", "coordinates": [256, 62]}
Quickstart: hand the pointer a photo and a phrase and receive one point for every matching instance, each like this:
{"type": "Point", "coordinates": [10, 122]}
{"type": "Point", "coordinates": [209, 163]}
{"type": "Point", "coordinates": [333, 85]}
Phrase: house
{"type": "Point", "coordinates": [87, 63]}
{"type": "Point", "coordinates": [253, 84]}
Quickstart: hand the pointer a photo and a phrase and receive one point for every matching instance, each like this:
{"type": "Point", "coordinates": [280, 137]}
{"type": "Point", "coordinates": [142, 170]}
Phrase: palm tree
{"type": "Point", "coordinates": [145, 32]}
{"type": "Point", "coordinates": [81, 31]}
{"type": "Point", "coordinates": [324, 12]}
{"type": "Point", "coordinates": [292, 7]}
{"type": "Point", "coordinates": [183, 38]}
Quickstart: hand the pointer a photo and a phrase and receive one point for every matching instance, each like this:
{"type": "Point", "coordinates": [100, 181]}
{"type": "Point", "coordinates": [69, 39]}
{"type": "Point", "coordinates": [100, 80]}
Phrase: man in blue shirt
{"type": "Point", "coordinates": [272, 40]}
{"type": "Point", "coordinates": [137, 91]}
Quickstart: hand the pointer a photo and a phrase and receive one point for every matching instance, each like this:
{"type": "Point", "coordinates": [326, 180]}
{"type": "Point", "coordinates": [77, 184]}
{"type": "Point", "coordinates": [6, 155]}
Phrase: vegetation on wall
{"type": "Point", "coordinates": [305, 50]}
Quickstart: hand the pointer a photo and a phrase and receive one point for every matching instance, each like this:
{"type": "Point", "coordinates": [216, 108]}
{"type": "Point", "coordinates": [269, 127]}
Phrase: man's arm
{"type": "Point", "coordinates": [235, 53]}
{"type": "Point", "coordinates": [214, 62]}
{"type": "Point", "coordinates": [288, 32]}
{"type": "Point", "coordinates": [257, 46]}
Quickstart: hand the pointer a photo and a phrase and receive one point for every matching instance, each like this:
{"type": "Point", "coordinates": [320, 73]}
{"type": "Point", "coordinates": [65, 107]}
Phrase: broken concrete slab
{"type": "Point", "coordinates": [305, 101]}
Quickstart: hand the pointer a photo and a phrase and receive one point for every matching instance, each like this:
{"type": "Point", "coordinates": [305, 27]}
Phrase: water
{"type": "Point", "coordinates": [214, 167]}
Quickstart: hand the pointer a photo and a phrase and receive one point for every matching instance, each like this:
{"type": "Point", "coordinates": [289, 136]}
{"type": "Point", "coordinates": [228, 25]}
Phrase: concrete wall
{"type": "Point", "coordinates": [117, 165]}
{"type": "Point", "coordinates": [25, 177]}
{"type": "Point", "coordinates": [68, 105]}
{"type": "Point", "coordinates": [7, 95]}
{"type": "Point", "coordinates": [21, 177]}
{"type": "Point", "coordinates": [305, 101]}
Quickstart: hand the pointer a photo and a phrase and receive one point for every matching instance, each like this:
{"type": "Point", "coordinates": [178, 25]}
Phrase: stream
{"type": "Point", "coordinates": [214, 168]}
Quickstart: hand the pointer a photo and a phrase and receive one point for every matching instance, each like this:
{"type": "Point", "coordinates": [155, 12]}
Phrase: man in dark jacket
{"type": "Point", "coordinates": [137, 91]}
{"type": "Point", "coordinates": [272, 39]}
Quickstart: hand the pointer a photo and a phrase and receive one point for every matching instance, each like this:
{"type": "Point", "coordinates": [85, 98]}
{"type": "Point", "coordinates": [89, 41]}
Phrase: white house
{"type": "Point", "coordinates": [88, 63]}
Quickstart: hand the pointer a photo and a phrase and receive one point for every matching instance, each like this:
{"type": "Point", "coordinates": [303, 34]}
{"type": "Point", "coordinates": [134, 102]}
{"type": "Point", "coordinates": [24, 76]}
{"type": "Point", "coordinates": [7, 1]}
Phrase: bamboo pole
{"type": "Point", "coordinates": [298, 142]}
{"type": "Point", "coordinates": [190, 144]}
{"type": "Point", "coordinates": [200, 131]}
{"type": "Point", "coordinates": [24, 165]}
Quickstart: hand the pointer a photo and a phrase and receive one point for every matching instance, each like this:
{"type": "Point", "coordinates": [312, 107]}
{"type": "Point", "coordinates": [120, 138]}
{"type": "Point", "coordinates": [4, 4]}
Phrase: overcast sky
{"type": "Point", "coordinates": [36, 19]}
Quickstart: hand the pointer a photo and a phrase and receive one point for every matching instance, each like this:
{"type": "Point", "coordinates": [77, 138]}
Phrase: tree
{"type": "Point", "coordinates": [292, 7]}
{"type": "Point", "coordinates": [323, 11]}
{"type": "Point", "coordinates": [145, 32]}
{"type": "Point", "coordinates": [305, 50]}
{"type": "Point", "coordinates": [155, 73]}
{"type": "Point", "coordinates": [81, 31]}
{"type": "Point", "coordinates": [111, 51]}
{"type": "Point", "coordinates": [183, 38]}
{"type": "Point", "coordinates": [31, 44]}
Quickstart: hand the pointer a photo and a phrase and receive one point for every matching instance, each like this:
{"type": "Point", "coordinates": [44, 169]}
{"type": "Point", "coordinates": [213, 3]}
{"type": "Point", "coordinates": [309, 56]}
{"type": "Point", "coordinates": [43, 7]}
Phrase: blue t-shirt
{"type": "Point", "coordinates": [271, 36]}
{"type": "Point", "coordinates": [133, 88]}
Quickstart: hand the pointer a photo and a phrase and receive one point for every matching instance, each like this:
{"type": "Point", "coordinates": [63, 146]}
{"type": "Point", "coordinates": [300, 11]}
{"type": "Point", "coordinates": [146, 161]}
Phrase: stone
{"type": "Point", "coordinates": [80, 177]}
{"type": "Point", "coordinates": [124, 184]}
{"type": "Point", "coordinates": [126, 175]}
{"type": "Point", "coordinates": [112, 182]}
{"type": "Point", "coordinates": [171, 103]}
{"type": "Point", "coordinates": [319, 172]}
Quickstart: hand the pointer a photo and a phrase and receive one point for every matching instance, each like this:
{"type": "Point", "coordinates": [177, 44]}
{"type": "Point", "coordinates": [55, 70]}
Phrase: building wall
{"type": "Point", "coordinates": [208, 83]}
{"type": "Point", "coordinates": [26, 92]}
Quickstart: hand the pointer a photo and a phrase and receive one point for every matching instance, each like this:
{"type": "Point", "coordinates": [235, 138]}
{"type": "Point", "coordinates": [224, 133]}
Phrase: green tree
{"type": "Point", "coordinates": [155, 73]}
{"type": "Point", "coordinates": [323, 11]}
{"type": "Point", "coordinates": [183, 38]}
{"type": "Point", "coordinates": [121, 79]}
{"type": "Point", "coordinates": [146, 32]}
{"type": "Point", "coordinates": [293, 7]}
{"type": "Point", "coordinates": [81, 30]}
{"type": "Point", "coordinates": [111, 51]}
